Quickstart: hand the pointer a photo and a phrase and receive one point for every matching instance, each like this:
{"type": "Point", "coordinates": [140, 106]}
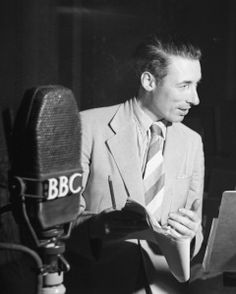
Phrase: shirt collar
{"type": "Point", "coordinates": [144, 121]}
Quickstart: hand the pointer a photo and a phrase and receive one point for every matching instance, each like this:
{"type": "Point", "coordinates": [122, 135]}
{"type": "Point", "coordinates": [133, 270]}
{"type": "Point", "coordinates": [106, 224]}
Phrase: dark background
{"type": "Point", "coordinates": [86, 45]}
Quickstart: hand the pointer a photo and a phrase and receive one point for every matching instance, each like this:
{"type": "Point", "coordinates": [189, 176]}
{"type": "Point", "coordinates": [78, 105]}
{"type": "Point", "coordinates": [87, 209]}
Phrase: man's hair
{"type": "Point", "coordinates": [153, 54]}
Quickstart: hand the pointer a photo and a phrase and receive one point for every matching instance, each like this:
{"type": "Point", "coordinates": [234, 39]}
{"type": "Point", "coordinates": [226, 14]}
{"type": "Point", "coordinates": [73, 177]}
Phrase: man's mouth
{"type": "Point", "coordinates": [184, 111]}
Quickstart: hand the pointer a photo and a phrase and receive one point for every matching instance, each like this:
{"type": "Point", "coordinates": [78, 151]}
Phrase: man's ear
{"type": "Point", "coordinates": [148, 81]}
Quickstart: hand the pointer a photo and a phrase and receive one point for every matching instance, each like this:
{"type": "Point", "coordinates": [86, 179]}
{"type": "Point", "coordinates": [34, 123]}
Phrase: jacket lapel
{"type": "Point", "coordinates": [123, 147]}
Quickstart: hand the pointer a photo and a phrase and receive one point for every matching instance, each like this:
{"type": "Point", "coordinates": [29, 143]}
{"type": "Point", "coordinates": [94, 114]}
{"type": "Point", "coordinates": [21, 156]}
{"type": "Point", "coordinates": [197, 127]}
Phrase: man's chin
{"type": "Point", "coordinates": [177, 119]}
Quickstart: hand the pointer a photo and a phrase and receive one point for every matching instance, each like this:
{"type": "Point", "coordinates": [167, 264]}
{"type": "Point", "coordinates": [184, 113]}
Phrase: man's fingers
{"type": "Point", "coordinates": [181, 229]}
{"type": "Point", "coordinates": [181, 219]}
{"type": "Point", "coordinates": [192, 212]}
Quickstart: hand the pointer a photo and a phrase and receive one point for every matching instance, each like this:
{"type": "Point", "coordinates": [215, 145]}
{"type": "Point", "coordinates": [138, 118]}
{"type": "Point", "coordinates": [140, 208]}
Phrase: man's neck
{"type": "Point", "coordinates": [143, 102]}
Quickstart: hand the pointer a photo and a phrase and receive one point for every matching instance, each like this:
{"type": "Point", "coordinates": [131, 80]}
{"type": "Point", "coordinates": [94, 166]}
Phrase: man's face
{"type": "Point", "coordinates": [172, 98]}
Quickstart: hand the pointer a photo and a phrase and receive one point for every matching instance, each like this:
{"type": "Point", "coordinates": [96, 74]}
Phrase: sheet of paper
{"type": "Point", "coordinates": [210, 244]}
{"type": "Point", "coordinates": [220, 255]}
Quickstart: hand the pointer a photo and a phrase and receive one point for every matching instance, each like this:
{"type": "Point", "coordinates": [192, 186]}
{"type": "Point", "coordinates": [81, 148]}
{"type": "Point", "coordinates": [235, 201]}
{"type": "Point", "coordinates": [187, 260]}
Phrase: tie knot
{"type": "Point", "coordinates": [156, 130]}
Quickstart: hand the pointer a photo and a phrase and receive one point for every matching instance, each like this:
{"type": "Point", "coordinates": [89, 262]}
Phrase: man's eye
{"type": "Point", "coordinates": [185, 86]}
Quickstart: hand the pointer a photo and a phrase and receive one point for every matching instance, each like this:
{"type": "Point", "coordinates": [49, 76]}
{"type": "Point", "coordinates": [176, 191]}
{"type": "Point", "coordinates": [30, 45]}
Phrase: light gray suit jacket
{"type": "Point", "coordinates": [109, 148]}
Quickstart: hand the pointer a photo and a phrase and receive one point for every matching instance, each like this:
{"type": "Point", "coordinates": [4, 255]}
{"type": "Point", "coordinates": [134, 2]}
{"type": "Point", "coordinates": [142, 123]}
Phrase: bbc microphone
{"type": "Point", "coordinates": [45, 175]}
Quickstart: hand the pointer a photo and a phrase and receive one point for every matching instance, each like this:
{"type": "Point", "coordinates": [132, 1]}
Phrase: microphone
{"type": "Point", "coordinates": [45, 176]}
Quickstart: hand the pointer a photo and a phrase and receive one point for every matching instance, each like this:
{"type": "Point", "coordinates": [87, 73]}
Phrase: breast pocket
{"type": "Point", "coordinates": [180, 192]}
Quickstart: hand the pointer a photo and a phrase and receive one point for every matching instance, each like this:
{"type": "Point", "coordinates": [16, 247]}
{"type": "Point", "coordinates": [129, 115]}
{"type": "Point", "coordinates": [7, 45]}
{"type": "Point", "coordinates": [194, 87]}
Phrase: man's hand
{"type": "Point", "coordinates": [184, 222]}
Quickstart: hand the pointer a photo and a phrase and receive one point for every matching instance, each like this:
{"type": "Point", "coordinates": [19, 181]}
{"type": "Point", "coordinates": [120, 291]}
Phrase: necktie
{"type": "Point", "coordinates": [153, 175]}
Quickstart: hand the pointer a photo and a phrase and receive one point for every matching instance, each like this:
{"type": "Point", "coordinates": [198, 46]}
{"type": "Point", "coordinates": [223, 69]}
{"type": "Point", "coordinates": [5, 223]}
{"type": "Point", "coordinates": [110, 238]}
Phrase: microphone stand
{"type": "Point", "coordinates": [49, 244]}
{"type": "Point", "coordinates": [49, 268]}
{"type": "Point", "coordinates": [54, 266]}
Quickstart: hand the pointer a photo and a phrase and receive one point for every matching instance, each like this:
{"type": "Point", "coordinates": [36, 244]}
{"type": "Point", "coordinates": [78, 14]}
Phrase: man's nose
{"type": "Point", "coordinates": [194, 98]}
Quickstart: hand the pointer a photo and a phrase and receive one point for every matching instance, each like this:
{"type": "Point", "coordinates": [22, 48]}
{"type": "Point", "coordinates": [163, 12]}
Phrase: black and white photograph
{"type": "Point", "coordinates": [118, 147]}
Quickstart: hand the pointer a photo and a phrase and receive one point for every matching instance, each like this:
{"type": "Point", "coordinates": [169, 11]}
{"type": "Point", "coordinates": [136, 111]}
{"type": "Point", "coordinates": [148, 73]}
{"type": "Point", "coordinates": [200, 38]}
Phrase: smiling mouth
{"type": "Point", "coordinates": [184, 111]}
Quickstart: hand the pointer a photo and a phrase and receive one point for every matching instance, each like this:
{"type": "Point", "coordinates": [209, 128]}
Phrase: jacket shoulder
{"type": "Point", "coordinates": [99, 115]}
{"type": "Point", "coordinates": [185, 133]}
{"type": "Point", "coordinates": [185, 130]}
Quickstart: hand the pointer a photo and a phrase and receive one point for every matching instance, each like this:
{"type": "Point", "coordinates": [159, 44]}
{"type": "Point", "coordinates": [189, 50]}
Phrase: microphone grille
{"type": "Point", "coordinates": [46, 138]}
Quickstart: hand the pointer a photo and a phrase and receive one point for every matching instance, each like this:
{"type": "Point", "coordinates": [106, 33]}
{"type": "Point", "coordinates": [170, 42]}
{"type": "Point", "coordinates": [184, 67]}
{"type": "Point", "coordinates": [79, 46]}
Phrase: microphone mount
{"type": "Point", "coordinates": [21, 197]}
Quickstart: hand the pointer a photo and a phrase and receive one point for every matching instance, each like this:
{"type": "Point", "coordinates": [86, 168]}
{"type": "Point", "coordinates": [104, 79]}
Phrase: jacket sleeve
{"type": "Point", "coordinates": [196, 192]}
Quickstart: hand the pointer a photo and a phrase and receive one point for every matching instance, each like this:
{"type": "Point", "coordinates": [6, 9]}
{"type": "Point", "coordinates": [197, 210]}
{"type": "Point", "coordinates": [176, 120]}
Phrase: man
{"type": "Point", "coordinates": [115, 145]}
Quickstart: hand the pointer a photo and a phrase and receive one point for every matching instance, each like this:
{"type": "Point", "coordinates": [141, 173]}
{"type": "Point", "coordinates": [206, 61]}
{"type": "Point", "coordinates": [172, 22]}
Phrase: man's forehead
{"type": "Point", "coordinates": [184, 68]}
